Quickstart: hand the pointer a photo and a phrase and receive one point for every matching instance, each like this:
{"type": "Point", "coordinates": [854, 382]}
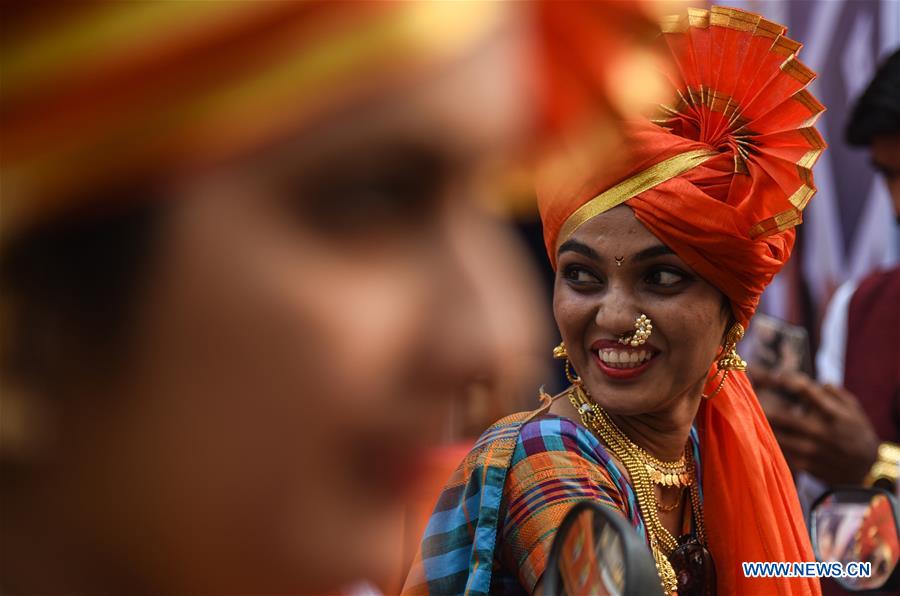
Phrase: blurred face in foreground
{"type": "Point", "coordinates": [306, 317]}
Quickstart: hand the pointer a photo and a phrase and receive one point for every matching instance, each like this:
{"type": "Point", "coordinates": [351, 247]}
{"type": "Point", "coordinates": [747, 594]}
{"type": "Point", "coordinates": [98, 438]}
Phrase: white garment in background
{"type": "Point", "coordinates": [830, 361]}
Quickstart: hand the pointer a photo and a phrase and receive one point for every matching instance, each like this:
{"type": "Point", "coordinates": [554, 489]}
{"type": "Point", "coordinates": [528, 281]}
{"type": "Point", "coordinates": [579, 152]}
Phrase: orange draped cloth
{"type": "Point", "coordinates": [721, 177]}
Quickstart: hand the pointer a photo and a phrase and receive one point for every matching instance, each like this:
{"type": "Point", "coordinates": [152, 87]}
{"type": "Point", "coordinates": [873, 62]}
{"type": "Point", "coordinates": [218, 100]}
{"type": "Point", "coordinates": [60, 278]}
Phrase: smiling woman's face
{"type": "Point", "coordinates": [597, 301]}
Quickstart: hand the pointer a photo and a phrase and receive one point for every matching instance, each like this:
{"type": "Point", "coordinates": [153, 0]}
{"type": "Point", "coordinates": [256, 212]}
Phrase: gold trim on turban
{"type": "Point", "coordinates": [633, 186]}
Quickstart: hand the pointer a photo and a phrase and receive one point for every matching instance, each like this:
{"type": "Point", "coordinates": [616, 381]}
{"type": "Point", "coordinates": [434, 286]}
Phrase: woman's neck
{"type": "Point", "coordinates": [664, 433]}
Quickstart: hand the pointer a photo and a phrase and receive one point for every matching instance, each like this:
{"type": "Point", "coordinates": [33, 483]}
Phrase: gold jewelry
{"type": "Point", "coordinates": [673, 506]}
{"type": "Point", "coordinates": [886, 465]}
{"type": "Point", "coordinates": [572, 377]}
{"type": "Point", "coordinates": [729, 359]}
{"type": "Point", "coordinates": [643, 327]}
{"type": "Point", "coordinates": [664, 473]}
{"type": "Point", "coordinates": [619, 261]}
{"type": "Point", "coordinates": [718, 387]}
{"type": "Point", "coordinates": [662, 543]}
{"type": "Point", "coordinates": [672, 474]}
{"type": "Point", "coordinates": [559, 352]}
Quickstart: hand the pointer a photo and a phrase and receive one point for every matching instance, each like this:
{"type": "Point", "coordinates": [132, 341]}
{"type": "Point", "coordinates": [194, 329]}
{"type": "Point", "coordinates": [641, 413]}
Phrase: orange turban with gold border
{"type": "Point", "coordinates": [721, 176]}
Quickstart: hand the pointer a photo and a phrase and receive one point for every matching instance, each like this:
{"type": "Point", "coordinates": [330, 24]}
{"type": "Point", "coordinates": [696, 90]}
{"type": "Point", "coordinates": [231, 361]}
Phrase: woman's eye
{"type": "Point", "coordinates": [385, 189]}
{"type": "Point", "coordinates": [666, 278]}
{"type": "Point", "coordinates": [579, 275]}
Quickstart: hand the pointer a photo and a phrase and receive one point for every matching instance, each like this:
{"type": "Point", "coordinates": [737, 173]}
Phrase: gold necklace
{"type": "Point", "coordinates": [666, 473]}
{"type": "Point", "coordinates": [669, 508]}
{"type": "Point", "coordinates": [662, 473]}
{"type": "Point", "coordinates": [662, 543]}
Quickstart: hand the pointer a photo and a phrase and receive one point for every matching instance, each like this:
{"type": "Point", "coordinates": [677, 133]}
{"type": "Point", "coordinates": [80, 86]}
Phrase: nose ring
{"type": "Point", "coordinates": [643, 327]}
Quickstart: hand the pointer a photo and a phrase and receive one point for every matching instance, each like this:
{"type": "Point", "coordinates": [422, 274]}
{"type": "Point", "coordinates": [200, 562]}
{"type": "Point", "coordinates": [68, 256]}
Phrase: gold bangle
{"type": "Point", "coordinates": [886, 466]}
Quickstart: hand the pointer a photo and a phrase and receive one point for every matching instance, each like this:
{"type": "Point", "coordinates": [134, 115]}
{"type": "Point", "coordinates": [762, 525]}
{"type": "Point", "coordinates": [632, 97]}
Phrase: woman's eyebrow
{"type": "Point", "coordinates": [580, 248]}
{"type": "Point", "coordinates": [654, 251]}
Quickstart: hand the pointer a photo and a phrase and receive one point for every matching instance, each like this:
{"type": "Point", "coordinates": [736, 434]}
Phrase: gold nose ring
{"type": "Point", "coordinates": [643, 327]}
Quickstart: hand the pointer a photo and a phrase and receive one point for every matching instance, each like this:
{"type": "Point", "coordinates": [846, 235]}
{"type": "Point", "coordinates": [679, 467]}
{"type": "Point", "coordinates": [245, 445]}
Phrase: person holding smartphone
{"type": "Point", "coordinates": [846, 427]}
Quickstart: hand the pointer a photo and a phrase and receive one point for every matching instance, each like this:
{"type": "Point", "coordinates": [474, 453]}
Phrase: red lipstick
{"type": "Point", "coordinates": [622, 374]}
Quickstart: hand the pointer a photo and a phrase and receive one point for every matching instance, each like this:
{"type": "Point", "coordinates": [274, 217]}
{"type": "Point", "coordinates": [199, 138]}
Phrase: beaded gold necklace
{"type": "Point", "coordinates": [662, 543]}
{"type": "Point", "coordinates": [666, 473]}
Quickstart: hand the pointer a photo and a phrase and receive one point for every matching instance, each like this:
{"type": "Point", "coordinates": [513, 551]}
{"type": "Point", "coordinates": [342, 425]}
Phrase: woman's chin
{"type": "Point", "coordinates": [623, 400]}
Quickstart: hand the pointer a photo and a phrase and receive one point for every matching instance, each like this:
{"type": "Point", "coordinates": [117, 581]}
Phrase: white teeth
{"type": "Point", "coordinates": [624, 358]}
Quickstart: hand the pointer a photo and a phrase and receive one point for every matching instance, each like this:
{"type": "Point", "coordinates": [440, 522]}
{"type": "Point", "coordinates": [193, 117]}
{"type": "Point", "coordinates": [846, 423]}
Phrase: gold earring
{"type": "Point", "coordinates": [559, 352]}
{"type": "Point", "coordinates": [729, 359]}
{"type": "Point", "coordinates": [643, 327]}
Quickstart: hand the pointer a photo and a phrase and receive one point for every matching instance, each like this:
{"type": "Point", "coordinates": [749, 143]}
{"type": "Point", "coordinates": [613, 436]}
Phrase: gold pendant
{"type": "Point", "coordinates": [666, 572]}
{"type": "Point", "coordinates": [668, 479]}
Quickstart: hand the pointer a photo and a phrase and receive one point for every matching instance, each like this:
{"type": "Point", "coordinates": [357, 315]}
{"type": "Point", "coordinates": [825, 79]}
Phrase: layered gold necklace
{"type": "Point", "coordinates": [664, 473]}
{"type": "Point", "coordinates": [645, 471]}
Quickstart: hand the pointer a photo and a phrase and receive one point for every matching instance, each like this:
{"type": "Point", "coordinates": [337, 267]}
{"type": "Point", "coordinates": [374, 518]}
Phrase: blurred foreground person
{"type": "Point", "coordinates": [845, 428]}
{"type": "Point", "coordinates": [660, 262]}
{"type": "Point", "coordinates": [244, 271]}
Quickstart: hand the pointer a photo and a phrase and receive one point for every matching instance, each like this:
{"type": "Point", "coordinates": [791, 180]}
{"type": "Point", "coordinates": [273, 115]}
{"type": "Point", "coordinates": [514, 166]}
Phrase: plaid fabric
{"type": "Point", "coordinates": [494, 523]}
{"type": "Point", "coordinates": [555, 465]}
{"type": "Point", "coordinates": [457, 551]}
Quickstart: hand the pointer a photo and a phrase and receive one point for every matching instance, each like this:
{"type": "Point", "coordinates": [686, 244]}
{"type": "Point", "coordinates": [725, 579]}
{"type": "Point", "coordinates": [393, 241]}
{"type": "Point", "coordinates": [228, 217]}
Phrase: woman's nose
{"type": "Point", "coordinates": [617, 310]}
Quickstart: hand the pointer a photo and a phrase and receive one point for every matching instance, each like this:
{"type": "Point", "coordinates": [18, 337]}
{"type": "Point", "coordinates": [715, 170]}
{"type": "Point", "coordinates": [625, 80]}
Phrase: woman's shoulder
{"type": "Point", "coordinates": [560, 458]}
{"type": "Point", "coordinates": [556, 464]}
{"type": "Point", "coordinates": [552, 434]}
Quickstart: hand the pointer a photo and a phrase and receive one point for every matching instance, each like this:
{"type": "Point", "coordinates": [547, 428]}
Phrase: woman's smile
{"type": "Point", "coordinates": [622, 362]}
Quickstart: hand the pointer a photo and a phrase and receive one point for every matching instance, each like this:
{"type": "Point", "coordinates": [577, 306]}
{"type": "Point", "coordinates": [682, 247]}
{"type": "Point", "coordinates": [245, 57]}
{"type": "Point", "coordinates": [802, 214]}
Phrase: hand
{"type": "Point", "coordinates": [822, 429]}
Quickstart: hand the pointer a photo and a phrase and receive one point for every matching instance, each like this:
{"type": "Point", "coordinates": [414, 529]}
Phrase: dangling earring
{"type": "Point", "coordinates": [729, 359]}
{"type": "Point", "coordinates": [559, 352]}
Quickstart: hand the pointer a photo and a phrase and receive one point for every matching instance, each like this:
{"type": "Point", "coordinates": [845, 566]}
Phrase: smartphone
{"type": "Point", "coordinates": [777, 346]}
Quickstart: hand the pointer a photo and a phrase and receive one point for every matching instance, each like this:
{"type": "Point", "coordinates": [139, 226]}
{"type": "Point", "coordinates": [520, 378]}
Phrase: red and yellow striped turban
{"type": "Point", "coordinates": [721, 177]}
{"type": "Point", "coordinates": [98, 94]}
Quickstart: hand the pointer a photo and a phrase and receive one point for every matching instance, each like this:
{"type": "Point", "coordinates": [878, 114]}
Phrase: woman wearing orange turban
{"type": "Point", "coordinates": [660, 260]}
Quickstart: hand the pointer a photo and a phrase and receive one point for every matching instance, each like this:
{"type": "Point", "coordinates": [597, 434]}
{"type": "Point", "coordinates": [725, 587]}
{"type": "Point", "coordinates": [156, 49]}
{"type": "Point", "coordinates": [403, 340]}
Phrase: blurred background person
{"type": "Point", "coordinates": [849, 230]}
{"type": "Point", "coordinates": [833, 428]}
{"type": "Point", "coordinates": [844, 427]}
